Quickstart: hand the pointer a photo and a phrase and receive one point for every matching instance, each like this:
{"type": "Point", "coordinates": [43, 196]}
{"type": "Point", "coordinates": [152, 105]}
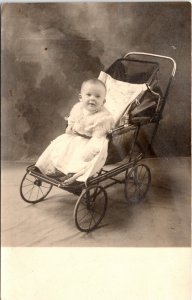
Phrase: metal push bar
{"type": "Point", "coordinates": [154, 55]}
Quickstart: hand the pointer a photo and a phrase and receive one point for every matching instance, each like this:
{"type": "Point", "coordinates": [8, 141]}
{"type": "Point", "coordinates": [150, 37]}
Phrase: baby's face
{"type": "Point", "coordinates": [93, 96]}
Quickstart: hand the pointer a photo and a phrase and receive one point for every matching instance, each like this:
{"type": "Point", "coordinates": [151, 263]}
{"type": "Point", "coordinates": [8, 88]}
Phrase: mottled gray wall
{"type": "Point", "coordinates": [48, 49]}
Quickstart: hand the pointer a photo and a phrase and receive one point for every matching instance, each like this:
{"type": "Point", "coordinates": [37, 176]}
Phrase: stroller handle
{"type": "Point", "coordinates": [154, 55]}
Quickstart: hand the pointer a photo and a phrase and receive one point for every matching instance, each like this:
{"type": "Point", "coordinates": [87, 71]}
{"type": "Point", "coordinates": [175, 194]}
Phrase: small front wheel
{"type": "Point", "coordinates": [34, 190]}
{"type": "Point", "coordinates": [90, 208]}
{"type": "Point", "coordinates": [137, 183]}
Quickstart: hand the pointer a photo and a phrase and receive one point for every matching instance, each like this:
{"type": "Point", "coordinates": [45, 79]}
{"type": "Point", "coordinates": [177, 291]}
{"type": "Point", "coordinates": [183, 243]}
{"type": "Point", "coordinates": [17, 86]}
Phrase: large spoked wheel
{"type": "Point", "coordinates": [137, 183]}
{"type": "Point", "coordinates": [34, 190]}
{"type": "Point", "coordinates": [90, 208]}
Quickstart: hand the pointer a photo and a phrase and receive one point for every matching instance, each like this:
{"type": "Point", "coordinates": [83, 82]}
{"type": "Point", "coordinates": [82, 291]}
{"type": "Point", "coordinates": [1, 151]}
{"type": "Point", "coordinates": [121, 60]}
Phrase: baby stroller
{"type": "Point", "coordinates": [142, 105]}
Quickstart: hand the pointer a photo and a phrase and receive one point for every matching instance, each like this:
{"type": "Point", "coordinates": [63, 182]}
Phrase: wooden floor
{"type": "Point", "coordinates": [163, 220]}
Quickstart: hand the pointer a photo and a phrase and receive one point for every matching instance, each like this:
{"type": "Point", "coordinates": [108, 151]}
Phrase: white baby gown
{"type": "Point", "coordinates": [66, 152]}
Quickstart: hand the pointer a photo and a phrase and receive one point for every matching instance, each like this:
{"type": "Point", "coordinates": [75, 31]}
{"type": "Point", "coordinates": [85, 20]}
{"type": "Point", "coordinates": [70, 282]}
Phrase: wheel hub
{"type": "Point", "coordinates": [37, 182]}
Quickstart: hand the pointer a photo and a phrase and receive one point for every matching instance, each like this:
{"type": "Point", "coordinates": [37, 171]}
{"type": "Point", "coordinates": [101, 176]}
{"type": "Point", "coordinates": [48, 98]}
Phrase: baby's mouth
{"type": "Point", "coordinates": [92, 104]}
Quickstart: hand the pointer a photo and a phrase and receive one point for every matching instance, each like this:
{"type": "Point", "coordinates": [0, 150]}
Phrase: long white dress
{"type": "Point", "coordinates": [66, 153]}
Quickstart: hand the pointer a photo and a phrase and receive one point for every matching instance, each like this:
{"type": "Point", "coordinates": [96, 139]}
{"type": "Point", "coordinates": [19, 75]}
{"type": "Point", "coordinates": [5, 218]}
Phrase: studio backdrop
{"type": "Point", "coordinates": [48, 49]}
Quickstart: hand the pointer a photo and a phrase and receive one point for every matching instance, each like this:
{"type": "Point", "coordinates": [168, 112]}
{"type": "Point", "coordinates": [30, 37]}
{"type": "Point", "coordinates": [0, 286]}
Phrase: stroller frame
{"type": "Point", "coordinates": [91, 204]}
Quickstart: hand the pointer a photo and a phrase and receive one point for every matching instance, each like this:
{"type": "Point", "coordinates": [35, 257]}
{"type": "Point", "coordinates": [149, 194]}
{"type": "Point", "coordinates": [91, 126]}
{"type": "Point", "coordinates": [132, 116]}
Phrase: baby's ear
{"type": "Point", "coordinates": [80, 97]}
{"type": "Point", "coordinates": [104, 101]}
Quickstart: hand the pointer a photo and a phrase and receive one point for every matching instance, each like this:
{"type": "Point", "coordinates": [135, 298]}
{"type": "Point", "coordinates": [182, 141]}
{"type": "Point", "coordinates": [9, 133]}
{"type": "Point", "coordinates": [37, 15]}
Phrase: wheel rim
{"type": "Point", "coordinates": [34, 190]}
{"type": "Point", "coordinates": [137, 184]}
{"type": "Point", "coordinates": [90, 208]}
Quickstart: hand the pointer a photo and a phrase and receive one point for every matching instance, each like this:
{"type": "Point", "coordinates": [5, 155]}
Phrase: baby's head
{"type": "Point", "coordinates": [92, 94]}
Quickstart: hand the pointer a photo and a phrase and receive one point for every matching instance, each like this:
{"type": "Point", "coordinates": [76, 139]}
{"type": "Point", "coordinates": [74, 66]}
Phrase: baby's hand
{"type": "Point", "coordinates": [89, 155]}
{"type": "Point", "coordinates": [69, 130]}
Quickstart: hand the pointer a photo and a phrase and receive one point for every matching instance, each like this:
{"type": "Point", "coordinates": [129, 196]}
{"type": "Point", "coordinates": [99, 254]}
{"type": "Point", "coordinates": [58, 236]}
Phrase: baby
{"type": "Point", "coordinates": [82, 150]}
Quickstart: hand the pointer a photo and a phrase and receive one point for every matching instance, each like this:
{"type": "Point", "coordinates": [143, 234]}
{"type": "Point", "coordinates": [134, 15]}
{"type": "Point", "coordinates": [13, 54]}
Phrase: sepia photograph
{"type": "Point", "coordinates": [96, 119]}
{"type": "Point", "coordinates": [96, 150]}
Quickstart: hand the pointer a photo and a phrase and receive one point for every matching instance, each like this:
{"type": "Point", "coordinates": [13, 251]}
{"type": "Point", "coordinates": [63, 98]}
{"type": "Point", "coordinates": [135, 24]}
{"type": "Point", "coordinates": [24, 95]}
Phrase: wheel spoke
{"type": "Point", "coordinates": [46, 187]}
{"type": "Point", "coordinates": [145, 181]}
{"type": "Point", "coordinates": [84, 216]}
{"type": "Point", "coordinates": [31, 192]}
{"type": "Point", "coordinates": [95, 222]}
{"type": "Point", "coordinates": [140, 172]}
{"type": "Point", "coordinates": [91, 221]}
{"type": "Point", "coordinates": [98, 213]}
{"type": "Point", "coordinates": [84, 208]}
{"type": "Point", "coordinates": [143, 187]}
{"type": "Point", "coordinates": [94, 218]}
{"type": "Point", "coordinates": [138, 189]}
{"type": "Point", "coordinates": [41, 190]}
{"type": "Point", "coordinates": [37, 193]}
{"type": "Point", "coordinates": [27, 184]}
{"type": "Point", "coordinates": [144, 175]}
{"type": "Point", "coordinates": [29, 180]}
{"type": "Point", "coordinates": [133, 187]}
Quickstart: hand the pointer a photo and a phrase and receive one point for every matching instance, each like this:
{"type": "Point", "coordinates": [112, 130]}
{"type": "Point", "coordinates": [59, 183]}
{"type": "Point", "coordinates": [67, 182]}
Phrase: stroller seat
{"type": "Point", "coordinates": [120, 95]}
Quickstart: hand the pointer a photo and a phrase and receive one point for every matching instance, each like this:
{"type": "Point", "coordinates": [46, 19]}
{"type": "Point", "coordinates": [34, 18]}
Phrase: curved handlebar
{"type": "Point", "coordinates": [154, 55]}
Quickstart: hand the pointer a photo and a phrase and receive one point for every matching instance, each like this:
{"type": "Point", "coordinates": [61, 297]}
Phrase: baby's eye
{"type": "Point", "coordinates": [88, 94]}
{"type": "Point", "coordinates": [97, 96]}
